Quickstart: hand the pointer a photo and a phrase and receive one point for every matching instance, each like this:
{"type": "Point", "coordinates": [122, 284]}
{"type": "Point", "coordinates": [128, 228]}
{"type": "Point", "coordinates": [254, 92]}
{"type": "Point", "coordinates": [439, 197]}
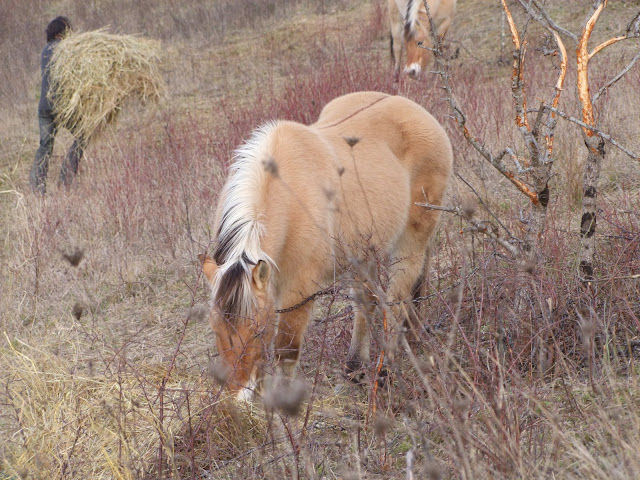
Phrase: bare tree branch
{"type": "Point", "coordinates": [517, 84]}
{"type": "Point", "coordinates": [624, 71]}
{"type": "Point", "coordinates": [519, 161]}
{"type": "Point", "coordinates": [476, 226]}
{"type": "Point", "coordinates": [461, 119]}
{"type": "Point", "coordinates": [551, 121]}
{"type": "Point", "coordinates": [605, 44]}
{"type": "Point", "coordinates": [583, 58]}
{"type": "Point", "coordinates": [541, 16]}
{"type": "Point", "coordinates": [485, 205]}
{"type": "Point", "coordinates": [632, 31]}
{"type": "Point", "coordinates": [595, 130]}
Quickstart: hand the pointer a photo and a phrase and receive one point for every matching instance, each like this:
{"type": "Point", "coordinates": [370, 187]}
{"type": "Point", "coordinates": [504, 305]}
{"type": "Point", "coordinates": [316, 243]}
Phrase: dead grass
{"type": "Point", "coordinates": [106, 365]}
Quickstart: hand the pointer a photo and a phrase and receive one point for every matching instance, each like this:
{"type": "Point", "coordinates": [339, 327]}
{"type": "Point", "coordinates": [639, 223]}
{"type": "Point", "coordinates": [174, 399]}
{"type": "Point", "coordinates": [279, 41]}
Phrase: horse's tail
{"type": "Point", "coordinates": [240, 230]}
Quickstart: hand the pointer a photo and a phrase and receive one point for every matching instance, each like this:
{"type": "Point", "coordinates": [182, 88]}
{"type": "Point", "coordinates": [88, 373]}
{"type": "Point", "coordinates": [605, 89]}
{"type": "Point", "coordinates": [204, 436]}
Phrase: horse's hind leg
{"type": "Point", "coordinates": [411, 257]}
{"type": "Point", "coordinates": [358, 356]}
{"type": "Point", "coordinates": [419, 292]}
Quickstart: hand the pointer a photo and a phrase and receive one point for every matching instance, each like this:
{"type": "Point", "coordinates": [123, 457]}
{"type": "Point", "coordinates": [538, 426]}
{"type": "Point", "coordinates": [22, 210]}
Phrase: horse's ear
{"type": "Point", "coordinates": [209, 267]}
{"type": "Point", "coordinates": [261, 274]}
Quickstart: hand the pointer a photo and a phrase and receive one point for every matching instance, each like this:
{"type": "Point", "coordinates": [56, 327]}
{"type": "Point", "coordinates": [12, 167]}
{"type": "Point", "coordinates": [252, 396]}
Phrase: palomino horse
{"type": "Point", "coordinates": [410, 26]}
{"type": "Point", "coordinates": [301, 203]}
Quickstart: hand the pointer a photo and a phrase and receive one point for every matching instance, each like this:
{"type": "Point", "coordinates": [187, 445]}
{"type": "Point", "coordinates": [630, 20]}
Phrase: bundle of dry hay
{"type": "Point", "coordinates": [93, 73]}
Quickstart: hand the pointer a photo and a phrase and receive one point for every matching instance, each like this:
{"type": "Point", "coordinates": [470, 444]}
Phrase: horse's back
{"type": "Point", "coordinates": [409, 131]}
{"type": "Point", "coordinates": [390, 150]}
{"type": "Point", "coordinates": [342, 108]}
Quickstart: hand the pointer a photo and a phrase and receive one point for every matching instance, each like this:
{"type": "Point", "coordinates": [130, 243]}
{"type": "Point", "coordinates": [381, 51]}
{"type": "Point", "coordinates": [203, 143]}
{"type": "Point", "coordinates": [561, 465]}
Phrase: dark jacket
{"type": "Point", "coordinates": [45, 104]}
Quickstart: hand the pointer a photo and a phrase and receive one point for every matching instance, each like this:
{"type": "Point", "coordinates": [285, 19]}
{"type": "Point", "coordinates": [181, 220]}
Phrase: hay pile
{"type": "Point", "coordinates": [61, 419]}
{"type": "Point", "coordinates": [93, 73]}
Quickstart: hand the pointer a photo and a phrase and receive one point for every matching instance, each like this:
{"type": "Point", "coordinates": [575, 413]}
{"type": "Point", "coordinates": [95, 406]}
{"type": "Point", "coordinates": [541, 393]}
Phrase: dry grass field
{"type": "Point", "coordinates": [106, 353]}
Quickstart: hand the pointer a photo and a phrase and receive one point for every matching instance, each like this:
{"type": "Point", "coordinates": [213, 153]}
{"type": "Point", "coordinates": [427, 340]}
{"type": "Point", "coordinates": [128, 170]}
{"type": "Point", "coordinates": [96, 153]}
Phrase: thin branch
{"type": "Point", "coordinates": [623, 277]}
{"type": "Point", "coordinates": [475, 225]}
{"type": "Point", "coordinates": [512, 26]}
{"type": "Point", "coordinates": [630, 32]}
{"type": "Point", "coordinates": [485, 205]}
{"type": "Point", "coordinates": [616, 78]}
{"type": "Point", "coordinates": [517, 160]}
{"type": "Point", "coordinates": [595, 131]}
{"type": "Point", "coordinates": [440, 208]}
{"type": "Point", "coordinates": [551, 123]}
{"type": "Point", "coordinates": [605, 44]}
{"type": "Point", "coordinates": [543, 18]}
{"type": "Point", "coordinates": [633, 29]}
{"type": "Point", "coordinates": [517, 83]}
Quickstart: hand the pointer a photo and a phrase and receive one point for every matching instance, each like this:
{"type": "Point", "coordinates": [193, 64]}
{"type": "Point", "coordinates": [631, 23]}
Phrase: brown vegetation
{"type": "Point", "coordinates": [106, 354]}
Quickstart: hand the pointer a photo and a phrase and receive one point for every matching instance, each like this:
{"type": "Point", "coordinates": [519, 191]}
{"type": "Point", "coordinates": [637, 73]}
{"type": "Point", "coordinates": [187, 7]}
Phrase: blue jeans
{"type": "Point", "coordinates": [38, 175]}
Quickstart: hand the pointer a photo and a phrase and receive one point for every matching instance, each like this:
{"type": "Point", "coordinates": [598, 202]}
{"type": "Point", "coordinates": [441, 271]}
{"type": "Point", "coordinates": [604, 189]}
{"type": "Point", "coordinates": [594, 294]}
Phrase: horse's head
{"type": "Point", "coordinates": [418, 41]}
{"type": "Point", "coordinates": [242, 329]}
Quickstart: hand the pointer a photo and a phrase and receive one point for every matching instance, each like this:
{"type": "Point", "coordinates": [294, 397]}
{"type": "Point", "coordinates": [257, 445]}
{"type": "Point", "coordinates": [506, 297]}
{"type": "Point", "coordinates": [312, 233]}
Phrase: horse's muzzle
{"type": "Point", "coordinates": [413, 71]}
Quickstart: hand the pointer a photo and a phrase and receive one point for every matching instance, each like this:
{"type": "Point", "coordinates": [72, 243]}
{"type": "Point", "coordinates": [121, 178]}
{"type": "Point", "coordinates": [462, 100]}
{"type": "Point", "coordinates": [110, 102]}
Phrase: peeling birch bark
{"type": "Point", "coordinates": [589, 218]}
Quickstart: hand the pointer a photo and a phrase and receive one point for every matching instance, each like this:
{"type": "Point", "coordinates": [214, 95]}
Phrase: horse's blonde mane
{"type": "Point", "coordinates": [411, 15]}
{"type": "Point", "coordinates": [238, 244]}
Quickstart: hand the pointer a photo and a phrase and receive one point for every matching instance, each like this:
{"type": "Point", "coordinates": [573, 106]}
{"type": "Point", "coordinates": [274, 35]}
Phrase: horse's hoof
{"type": "Point", "coordinates": [354, 371]}
{"type": "Point", "coordinates": [383, 377]}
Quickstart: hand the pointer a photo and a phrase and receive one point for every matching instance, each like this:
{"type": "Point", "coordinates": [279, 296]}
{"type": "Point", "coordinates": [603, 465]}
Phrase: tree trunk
{"type": "Point", "coordinates": [595, 157]}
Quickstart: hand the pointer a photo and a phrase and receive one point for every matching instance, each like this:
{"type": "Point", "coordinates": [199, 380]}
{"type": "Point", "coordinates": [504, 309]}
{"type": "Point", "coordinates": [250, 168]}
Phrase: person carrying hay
{"type": "Point", "coordinates": [57, 28]}
{"type": "Point", "coordinates": [87, 77]}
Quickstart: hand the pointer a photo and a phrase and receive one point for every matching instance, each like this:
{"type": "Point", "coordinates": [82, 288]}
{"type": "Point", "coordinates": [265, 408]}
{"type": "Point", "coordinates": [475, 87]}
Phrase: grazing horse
{"type": "Point", "coordinates": [410, 26]}
{"type": "Point", "coordinates": [304, 203]}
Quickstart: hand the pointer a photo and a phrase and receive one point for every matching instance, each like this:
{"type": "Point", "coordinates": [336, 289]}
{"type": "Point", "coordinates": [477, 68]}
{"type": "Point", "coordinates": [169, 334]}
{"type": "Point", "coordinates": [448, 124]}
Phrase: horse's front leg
{"type": "Point", "coordinates": [291, 328]}
{"type": "Point", "coordinates": [396, 38]}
